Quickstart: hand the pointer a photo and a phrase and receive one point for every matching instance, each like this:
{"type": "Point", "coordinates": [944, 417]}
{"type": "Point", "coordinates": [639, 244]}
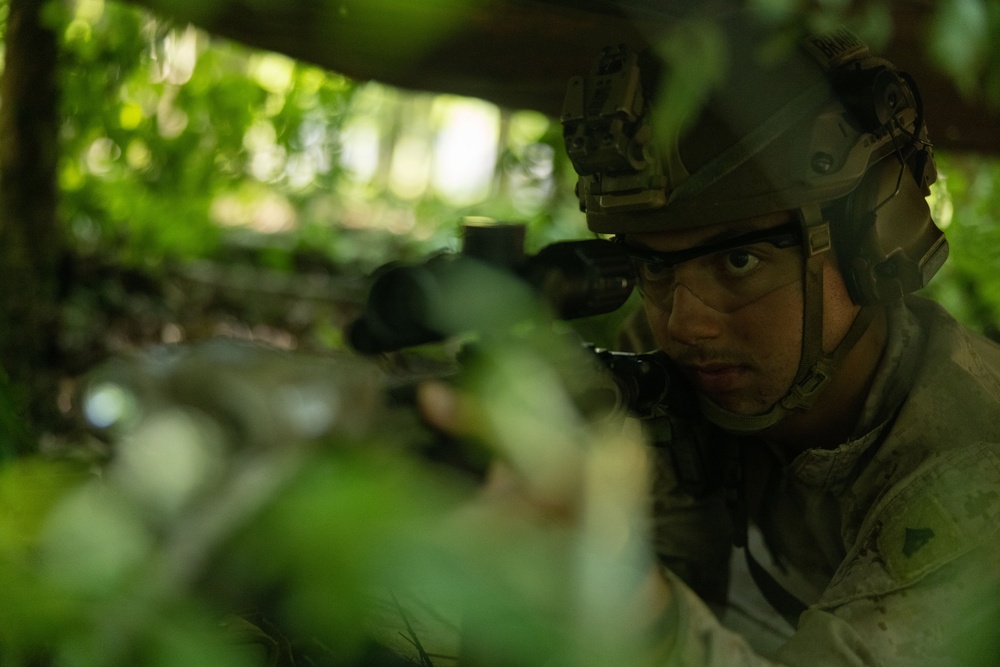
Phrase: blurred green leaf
{"type": "Point", "coordinates": [695, 58]}
{"type": "Point", "coordinates": [963, 43]}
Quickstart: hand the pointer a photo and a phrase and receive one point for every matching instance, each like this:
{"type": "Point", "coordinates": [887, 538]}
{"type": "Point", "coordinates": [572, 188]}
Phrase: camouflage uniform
{"type": "Point", "coordinates": [888, 538]}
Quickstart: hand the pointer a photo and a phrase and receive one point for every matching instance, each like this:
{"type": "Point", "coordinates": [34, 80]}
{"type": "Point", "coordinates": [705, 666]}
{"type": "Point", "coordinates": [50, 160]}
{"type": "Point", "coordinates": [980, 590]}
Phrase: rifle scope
{"type": "Point", "coordinates": [452, 293]}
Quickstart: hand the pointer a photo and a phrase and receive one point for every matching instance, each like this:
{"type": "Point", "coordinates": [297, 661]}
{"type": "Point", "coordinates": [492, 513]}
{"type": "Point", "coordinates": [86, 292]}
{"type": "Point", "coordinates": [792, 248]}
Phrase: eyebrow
{"type": "Point", "coordinates": [782, 236]}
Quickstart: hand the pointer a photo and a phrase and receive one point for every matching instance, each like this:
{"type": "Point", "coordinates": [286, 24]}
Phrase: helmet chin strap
{"type": "Point", "coordinates": [815, 367]}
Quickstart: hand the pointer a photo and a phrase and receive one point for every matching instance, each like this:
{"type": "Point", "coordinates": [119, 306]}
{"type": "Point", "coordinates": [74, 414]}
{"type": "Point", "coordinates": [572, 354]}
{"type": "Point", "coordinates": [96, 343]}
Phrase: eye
{"type": "Point", "coordinates": [654, 271]}
{"type": "Point", "coordinates": [739, 262]}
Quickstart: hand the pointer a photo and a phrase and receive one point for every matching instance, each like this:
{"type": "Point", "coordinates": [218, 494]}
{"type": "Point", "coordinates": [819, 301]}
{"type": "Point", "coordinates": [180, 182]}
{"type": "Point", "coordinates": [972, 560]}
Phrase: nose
{"type": "Point", "coordinates": [691, 320]}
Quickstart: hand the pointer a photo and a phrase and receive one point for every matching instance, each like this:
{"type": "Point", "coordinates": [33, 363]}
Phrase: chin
{"type": "Point", "coordinates": [743, 406]}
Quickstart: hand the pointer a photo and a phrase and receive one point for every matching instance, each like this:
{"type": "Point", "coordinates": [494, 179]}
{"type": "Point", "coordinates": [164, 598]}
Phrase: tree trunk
{"type": "Point", "coordinates": [30, 240]}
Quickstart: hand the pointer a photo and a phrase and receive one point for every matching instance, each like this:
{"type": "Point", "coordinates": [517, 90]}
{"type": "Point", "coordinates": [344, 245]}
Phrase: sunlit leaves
{"type": "Point", "coordinates": [168, 133]}
{"type": "Point", "coordinates": [965, 199]}
{"type": "Point", "coordinates": [159, 123]}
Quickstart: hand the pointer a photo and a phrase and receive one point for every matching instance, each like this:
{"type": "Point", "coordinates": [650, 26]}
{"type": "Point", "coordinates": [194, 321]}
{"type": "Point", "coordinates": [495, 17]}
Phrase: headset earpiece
{"type": "Point", "coordinates": [886, 241]}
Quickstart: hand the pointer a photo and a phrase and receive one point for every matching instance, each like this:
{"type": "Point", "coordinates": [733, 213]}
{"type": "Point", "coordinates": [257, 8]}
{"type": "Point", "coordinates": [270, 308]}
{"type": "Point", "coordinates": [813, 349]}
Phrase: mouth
{"type": "Point", "coordinates": [717, 378]}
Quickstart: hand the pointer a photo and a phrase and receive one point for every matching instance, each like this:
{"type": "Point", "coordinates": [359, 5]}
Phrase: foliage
{"type": "Point", "coordinates": [169, 132]}
{"type": "Point", "coordinates": [176, 145]}
{"type": "Point", "coordinates": [162, 124]}
{"type": "Point", "coordinates": [172, 140]}
{"type": "Point", "coordinates": [314, 540]}
{"type": "Point", "coordinates": [88, 562]}
{"type": "Point", "coordinates": [965, 202]}
{"type": "Point", "coordinates": [963, 42]}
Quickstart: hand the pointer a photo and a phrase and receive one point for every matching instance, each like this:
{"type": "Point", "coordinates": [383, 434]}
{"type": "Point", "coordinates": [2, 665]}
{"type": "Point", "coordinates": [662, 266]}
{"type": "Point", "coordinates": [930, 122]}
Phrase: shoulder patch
{"type": "Point", "coordinates": [952, 507]}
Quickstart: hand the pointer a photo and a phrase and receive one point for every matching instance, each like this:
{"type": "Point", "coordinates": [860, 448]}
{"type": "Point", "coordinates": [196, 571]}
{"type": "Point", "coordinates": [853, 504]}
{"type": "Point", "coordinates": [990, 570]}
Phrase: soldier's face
{"type": "Point", "coordinates": [729, 319]}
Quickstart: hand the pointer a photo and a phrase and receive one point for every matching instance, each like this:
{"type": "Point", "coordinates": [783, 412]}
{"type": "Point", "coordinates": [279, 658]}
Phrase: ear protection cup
{"type": "Point", "coordinates": [886, 242]}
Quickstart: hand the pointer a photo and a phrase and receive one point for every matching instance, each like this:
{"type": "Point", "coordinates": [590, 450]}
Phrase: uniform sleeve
{"type": "Point", "coordinates": [690, 636]}
{"type": "Point", "coordinates": [936, 622]}
{"type": "Point", "coordinates": [920, 587]}
{"type": "Point", "coordinates": [942, 621]}
{"type": "Point", "coordinates": [922, 572]}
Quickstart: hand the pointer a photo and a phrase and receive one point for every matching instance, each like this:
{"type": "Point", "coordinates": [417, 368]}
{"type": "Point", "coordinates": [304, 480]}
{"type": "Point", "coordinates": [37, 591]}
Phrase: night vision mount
{"type": "Point", "coordinates": [609, 139]}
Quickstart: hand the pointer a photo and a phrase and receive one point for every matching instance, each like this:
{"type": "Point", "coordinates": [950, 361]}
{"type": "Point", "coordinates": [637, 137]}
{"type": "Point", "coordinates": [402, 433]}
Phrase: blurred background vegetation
{"type": "Point", "coordinates": [207, 189]}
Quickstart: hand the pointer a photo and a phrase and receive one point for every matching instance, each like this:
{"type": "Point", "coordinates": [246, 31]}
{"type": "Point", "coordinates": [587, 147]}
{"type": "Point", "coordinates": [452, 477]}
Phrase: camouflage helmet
{"type": "Point", "coordinates": [828, 131]}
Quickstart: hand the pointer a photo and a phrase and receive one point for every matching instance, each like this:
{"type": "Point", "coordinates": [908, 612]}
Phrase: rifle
{"type": "Point", "coordinates": [492, 287]}
{"type": "Point", "coordinates": [490, 291]}
{"type": "Point", "coordinates": [444, 296]}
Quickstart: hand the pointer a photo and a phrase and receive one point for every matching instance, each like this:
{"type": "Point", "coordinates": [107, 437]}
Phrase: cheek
{"type": "Point", "coordinates": [770, 333]}
{"type": "Point", "coordinates": [657, 320]}
{"type": "Point", "coordinates": [838, 309]}
{"type": "Point", "coordinates": [773, 333]}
